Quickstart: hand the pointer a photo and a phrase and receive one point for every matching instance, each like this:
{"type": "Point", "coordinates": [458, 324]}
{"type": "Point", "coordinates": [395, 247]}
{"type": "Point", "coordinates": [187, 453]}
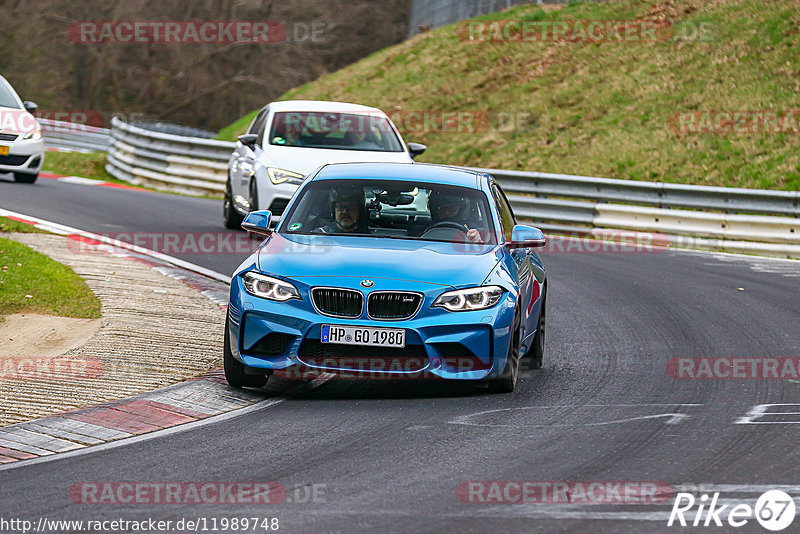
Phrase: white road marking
{"type": "Point", "coordinates": [673, 418]}
{"type": "Point", "coordinates": [736, 488]}
{"type": "Point", "coordinates": [782, 266]}
{"type": "Point", "coordinates": [79, 180]}
{"type": "Point", "coordinates": [762, 410]}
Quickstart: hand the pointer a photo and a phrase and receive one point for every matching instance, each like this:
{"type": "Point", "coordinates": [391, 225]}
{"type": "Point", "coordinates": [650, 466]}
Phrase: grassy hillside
{"type": "Point", "coordinates": [602, 108]}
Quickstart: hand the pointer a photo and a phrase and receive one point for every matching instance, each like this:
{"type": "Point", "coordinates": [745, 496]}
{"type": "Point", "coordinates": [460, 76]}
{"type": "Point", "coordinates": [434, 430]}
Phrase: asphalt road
{"type": "Point", "coordinates": [390, 456]}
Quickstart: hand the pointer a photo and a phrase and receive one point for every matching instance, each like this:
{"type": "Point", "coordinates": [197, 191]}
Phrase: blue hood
{"type": "Point", "coordinates": [304, 257]}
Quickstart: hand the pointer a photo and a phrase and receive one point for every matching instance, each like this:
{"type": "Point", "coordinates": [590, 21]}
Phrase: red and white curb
{"type": "Point", "coordinates": [87, 181]}
{"type": "Point", "coordinates": [171, 406]}
{"type": "Point", "coordinates": [175, 408]}
{"type": "Point", "coordinates": [183, 405]}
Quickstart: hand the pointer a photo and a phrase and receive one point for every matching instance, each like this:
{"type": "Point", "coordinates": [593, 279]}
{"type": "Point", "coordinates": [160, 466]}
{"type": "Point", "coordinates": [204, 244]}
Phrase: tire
{"type": "Point", "coordinates": [535, 355]}
{"type": "Point", "coordinates": [253, 195]}
{"type": "Point", "coordinates": [507, 381]}
{"type": "Point", "coordinates": [231, 217]}
{"type": "Point", "coordinates": [235, 370]}
{"type": "Point", "coordinates": [25, 178]}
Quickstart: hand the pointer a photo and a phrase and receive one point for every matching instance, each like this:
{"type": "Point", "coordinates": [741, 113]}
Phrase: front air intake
{"type": "Point", "coordinates": [338, 302]}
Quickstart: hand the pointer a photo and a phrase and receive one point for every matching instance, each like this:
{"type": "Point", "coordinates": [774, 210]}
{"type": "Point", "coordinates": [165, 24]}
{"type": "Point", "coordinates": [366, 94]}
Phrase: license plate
{"type": "Point", "coordinates": [3, 150]}
{"type": "Point", "coordinates": [362, 335]}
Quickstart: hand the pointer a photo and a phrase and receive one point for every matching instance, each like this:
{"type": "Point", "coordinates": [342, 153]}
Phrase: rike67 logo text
{"type": "Point", "coordinates": [774, 510]}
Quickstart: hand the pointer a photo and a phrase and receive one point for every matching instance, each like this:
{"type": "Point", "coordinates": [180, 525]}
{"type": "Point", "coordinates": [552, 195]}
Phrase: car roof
{"type": "Point", "coordinates": [416, 172]}
{"type": "Point", "coordinates": [320, 105]}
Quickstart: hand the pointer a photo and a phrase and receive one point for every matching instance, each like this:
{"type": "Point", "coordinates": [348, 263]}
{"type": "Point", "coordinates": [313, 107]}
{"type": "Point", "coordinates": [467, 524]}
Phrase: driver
{"type": "Point", "coordinates": [446, 207]}
{"type": "Point", "coordinates": [347, 204]}
{"type": "Point", "coordinates": [359, 139]}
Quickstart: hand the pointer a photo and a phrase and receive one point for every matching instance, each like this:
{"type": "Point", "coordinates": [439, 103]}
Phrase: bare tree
{"type": "Point", "coordinates": [204, 85]}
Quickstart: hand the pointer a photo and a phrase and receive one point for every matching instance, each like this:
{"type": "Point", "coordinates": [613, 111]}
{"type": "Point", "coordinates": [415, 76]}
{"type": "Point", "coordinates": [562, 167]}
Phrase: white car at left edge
{"type": "Point", "coordinates": [289, 139]}
{"type": "Point", "coordinates": [21, 144]}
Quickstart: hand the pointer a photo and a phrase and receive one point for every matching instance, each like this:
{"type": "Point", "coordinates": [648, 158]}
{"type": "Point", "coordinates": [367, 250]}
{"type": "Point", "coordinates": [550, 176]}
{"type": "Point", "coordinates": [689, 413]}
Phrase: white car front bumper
{"type": "Point", "coordinates": [23, 155]}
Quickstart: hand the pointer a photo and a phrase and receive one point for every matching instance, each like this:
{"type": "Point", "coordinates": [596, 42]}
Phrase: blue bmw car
{"type": "Point", "coordinates": [389, 270]}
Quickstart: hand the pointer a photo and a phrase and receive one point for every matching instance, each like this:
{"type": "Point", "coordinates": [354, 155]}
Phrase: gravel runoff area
{"type": "Point", "coordinates": [155, 331]}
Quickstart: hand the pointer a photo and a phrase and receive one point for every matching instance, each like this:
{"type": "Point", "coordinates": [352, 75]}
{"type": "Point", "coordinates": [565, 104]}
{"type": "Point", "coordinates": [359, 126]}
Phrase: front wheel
{"type": "Point", "coordinates": [235, 370]}
{"type": "Point", "coordinates": [231, 217]}
{"type": "Point", "coordinates": [253, 195]}
{"type": "Point", "coordinates": [25, 178]}
{"type": "Point", "coordinates": [507, 381]}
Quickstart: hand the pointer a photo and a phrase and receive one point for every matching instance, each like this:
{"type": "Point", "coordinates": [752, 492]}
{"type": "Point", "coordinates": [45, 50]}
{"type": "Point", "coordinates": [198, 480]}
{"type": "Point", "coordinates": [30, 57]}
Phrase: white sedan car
{"type": "Point", "coordinates": [289, 139]}
{"type": "Point", "coordinates": [21, 145]}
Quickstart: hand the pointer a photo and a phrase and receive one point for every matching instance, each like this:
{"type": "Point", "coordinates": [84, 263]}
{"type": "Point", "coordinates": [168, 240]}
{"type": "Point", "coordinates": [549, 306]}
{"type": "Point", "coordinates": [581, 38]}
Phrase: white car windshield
{"type": "Point", "coordinates": [338, 131]}
{"type": "Point", "coordinates": [392, 209]}
{"type": "Point", "coordinates": [7, 98]}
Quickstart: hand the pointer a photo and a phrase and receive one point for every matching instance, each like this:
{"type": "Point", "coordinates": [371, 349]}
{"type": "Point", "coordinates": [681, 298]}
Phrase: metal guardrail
{"type": "Point", "coordinates": [427, 14]}
{"type": "Point", "coordinates": [72, 136]}
{"type": "Point", "coordinates": [751, 221]}
{"type": "Point", "coordinates": [716, 218]}
{"type": "Point", "coordinates": [191, 165]}
{"type": "Point", "coordinates": [175, 129]}
{"type": "Point", "coordinates": [656, 194]}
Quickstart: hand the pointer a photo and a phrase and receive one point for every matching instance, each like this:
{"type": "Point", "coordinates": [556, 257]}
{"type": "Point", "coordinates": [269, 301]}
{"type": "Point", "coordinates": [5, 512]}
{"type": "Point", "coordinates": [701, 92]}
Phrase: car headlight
{"type": "Point", "coordinates": [269, 288]}
{"type": "Point", "coordinates": [245, 167]}
{"type": "Point", "coordinates": [474, 298]}
{"type": "Point", "coordinates": [34, 135]}
{"type": "Point", "coordinates": [278, 176]}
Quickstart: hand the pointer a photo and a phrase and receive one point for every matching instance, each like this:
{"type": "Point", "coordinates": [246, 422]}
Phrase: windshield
{"type": "Point", "coordinates": [338, 131]}
{"type": "Point", "coordinates": [392, 210]}
{"type": "Point", "coordinates": [7, 98]}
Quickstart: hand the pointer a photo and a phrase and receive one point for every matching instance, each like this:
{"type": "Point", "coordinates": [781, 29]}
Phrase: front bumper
{"type": "Point", "coordinates": [439, 344]}
{"type": "Point", "coordinates": [23, 156]}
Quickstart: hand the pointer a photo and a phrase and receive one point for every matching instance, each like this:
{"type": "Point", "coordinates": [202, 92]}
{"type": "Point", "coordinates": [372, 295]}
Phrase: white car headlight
{"type": "Point", "coordinates": [269, 288]}
{"type": "Point", "coordinates": [474, 298]}
{"type": "Point", "coordinates": [278, 176]}
{"type": "Point", "coordinates": [34, 135]}
{"type": "Point", "coordinates": [245, 167]}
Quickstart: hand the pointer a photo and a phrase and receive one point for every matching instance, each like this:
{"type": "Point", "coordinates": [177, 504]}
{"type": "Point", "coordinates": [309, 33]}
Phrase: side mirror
{"type": "Point", "coordinates": [524, 236]}
{"type": "Point", "coordinates": [258, 222]}
{"type": "Point", "coordinates": [248, 139]}
{"type": "Point", "coordinates": [30, 107]}
{"type": "Point", "coordinates": [415, 149]}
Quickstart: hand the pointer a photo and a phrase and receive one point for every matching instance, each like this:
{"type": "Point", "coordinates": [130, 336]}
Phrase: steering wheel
{"type": "Point", "coordinates": [453, 225]}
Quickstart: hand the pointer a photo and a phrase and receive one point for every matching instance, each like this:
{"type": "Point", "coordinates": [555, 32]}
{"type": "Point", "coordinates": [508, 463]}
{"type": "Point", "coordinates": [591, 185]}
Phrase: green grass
{"type": "Point", "coordinates": [597, 109]}
{"type": "Point", "coordinates": [91, 165]}
{"type": "Point", "coordinates": [32, 282]}
{"type": "Point", "coordinates": [10, 225]}
{"type": "Point", "coordinates": [232, 131]}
